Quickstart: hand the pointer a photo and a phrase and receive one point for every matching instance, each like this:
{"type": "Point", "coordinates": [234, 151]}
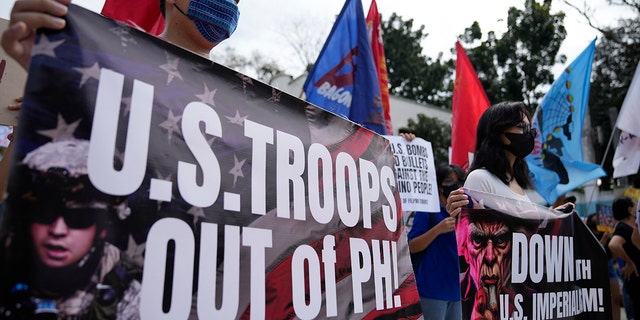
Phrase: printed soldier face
{"type": "Point", "coordinates": [487, 247]}
{"type": "Point", "coordinates": [63, 237]}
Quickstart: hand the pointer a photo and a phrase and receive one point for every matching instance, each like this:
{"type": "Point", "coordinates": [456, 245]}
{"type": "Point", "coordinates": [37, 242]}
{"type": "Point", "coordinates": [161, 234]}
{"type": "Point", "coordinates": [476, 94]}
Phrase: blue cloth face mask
{"type": "Point", "coordinates": [215, 19]}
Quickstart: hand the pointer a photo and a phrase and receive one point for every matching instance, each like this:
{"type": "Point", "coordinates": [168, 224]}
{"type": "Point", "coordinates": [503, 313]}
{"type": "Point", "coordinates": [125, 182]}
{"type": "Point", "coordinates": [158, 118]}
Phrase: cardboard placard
{"type": "Point", "coordinates": [12, 80]}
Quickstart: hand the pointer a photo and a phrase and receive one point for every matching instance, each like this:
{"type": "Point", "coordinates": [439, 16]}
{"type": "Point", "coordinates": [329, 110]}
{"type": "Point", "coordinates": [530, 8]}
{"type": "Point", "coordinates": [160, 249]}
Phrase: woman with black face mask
{"type": "Point", "coordinates": [504, 138]}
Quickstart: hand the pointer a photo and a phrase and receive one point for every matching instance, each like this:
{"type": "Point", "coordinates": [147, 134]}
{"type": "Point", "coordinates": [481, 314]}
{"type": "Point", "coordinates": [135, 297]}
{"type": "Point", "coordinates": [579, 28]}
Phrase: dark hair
{"type": "Point", "coordinates": [592, 221]}
{"type": "Point", "coordinates": [163, 5]}
{"type": "Point", "coordinates": [444, 170]}
{"type": "Point", "coordinates": [621, 207]}
{"type": "Point", "coordinates": [592, 224]}
{"type": "Point", "coordinates": [489, 152]}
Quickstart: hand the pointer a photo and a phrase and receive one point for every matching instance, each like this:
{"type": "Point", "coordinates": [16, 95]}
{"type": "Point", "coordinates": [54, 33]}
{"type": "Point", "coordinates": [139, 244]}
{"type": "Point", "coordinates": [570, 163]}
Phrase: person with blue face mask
{"type": "Point", "coordinates": [199, 25]}
{"type": "Point", "coordinates": [196, 25]}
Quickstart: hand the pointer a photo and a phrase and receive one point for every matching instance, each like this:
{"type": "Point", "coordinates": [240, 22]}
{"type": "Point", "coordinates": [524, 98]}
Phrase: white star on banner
{"type": "Point", "coordinates": [89, 73]}
{"type": "Point", "coordinates": [171, 67]}
{"type": "Point", "coordinates": [237, 119]}
{"type": "Point", "coordinates": [236, 171]}
{"type": "Point", "coordinates": [135, 251]}
{"type": "Point", "coordinates": [62, 131]}
{"type": "Point", "coordinates": [197, 213]}
{"type": "Point", "coordinates": [198, 67]}
{"type": "Point", "coordinates": [46, 47]}
{"type": "Point", "coordinates": [275, 95]}
{"type": "Point", "coordinates": [171, 125]}
{"type": "Point", "coordinates": [245, 80]}
{"type": "Point", "coordinates": [207, 96]}
{"type": "Point", "coordinates": [123, 33]}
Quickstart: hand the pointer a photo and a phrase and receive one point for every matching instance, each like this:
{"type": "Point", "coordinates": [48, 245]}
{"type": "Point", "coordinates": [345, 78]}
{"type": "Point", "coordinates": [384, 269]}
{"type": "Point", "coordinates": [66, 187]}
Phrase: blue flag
{"type": "Point", "coordinates": [556, 163]}
{"type": "Point", "coordinates": [344, 80]}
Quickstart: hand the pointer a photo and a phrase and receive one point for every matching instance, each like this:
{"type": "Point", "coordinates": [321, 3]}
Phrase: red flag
{"type": "Point", "coordinates": [375, 37]}
{"type": "Point", "coordinates": [144, 14]}
{"type": "Point", "coordinates": [469, 102]}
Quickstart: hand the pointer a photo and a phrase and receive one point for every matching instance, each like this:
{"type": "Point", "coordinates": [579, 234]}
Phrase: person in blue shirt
{"type": "Point", "coordinates": [432, 240]}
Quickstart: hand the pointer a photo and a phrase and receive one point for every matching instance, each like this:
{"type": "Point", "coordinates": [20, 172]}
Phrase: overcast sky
{"type": "Point", "coordinates": [264, 24]}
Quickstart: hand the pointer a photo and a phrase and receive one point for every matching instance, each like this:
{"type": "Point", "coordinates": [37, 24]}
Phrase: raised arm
{"type": "Point", "coordinates": [615, 245]}
{"type": "Point", "coordinates": [422, 241]}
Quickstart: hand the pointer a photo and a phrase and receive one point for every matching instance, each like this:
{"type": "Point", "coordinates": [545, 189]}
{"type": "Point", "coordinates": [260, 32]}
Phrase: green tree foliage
{"type": "Point", "coordinates": [483, 60]}
{"type": "Point", "coordinates": [435, 131]}
{"type": "Point", "coordinates": [412, 75]}
{"type": "Point", "coordinates": [518, 65]}
{"type": "Point", "coordinates": [259, 66]}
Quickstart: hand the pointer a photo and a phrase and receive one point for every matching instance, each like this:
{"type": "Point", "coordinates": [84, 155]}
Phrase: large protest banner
{"type": "Point", "coordinates": [524, 261]}
{"type": "Point", "coordinates": [151, 183]}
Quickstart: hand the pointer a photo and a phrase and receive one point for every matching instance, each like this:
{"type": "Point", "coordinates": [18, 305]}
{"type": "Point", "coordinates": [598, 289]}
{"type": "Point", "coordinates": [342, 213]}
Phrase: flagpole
{"type": "Point", "coordinates": [606, 151]}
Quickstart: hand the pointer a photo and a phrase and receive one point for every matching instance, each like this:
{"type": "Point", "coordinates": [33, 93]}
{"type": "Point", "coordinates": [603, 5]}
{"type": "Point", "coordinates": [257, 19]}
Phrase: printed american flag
{"type": "Point", "coordinates": [59, 103]}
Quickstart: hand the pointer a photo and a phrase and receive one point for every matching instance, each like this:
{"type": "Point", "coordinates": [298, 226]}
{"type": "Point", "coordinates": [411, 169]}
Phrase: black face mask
{"type": "Point", "coordinates": [446, 190]}
{"type": "Point", "coordinates": [521, 143]}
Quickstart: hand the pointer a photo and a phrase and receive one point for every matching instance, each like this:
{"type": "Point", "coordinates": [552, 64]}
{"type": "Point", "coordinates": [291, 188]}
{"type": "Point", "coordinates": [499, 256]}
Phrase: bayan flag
{"type": "Point", "coordinates": [344, 80]}
{"type": "Point", "coordinates": [556, 162]}
{"type": "Point", "coordinates": [144, 14]}
{"type": "Point", "coordinates": [377, 48]}
{"type": "Point", "coordinates": [626, 159]}
{"type": "Point", "coordinates": [629, 117]}
{"type": "Point", "coordinates": [194, 191]}
{"type": "Point", "coordinates": [469, 102]}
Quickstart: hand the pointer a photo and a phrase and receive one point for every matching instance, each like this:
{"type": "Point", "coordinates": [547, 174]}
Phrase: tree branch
{"type": "Point", "coordinates": [586, 14]}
